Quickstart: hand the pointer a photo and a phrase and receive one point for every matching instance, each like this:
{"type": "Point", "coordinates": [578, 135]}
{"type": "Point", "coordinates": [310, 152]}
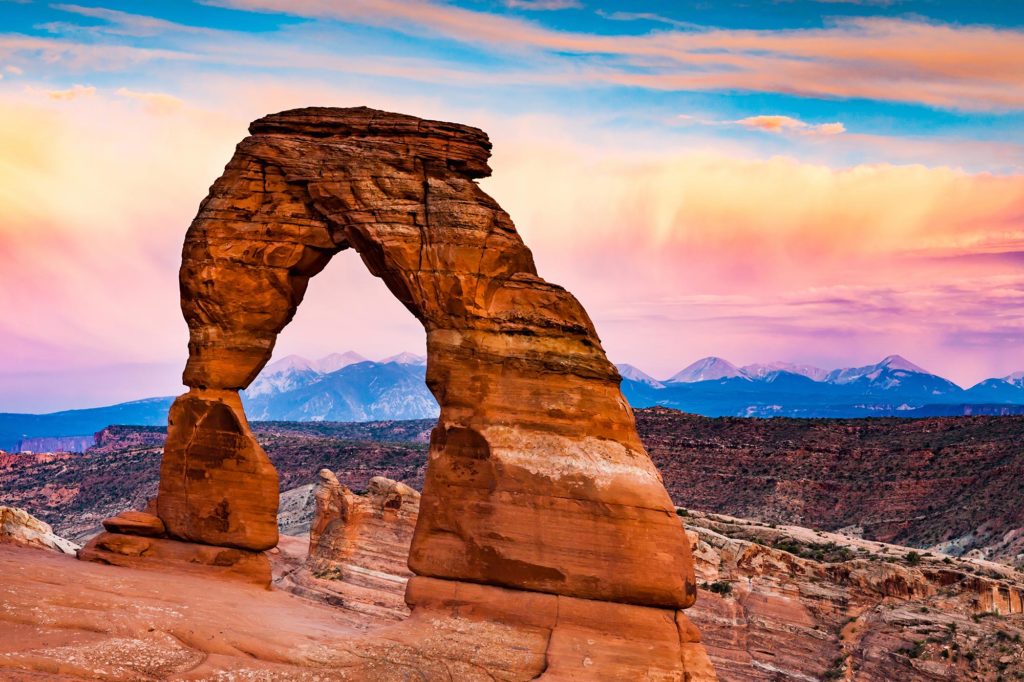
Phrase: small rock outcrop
{"type": "Point", "coordinates": [358, 548]}
{"type": "Point", "coordinates": [18, 527]}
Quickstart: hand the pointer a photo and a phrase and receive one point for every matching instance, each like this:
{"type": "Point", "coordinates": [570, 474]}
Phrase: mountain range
{"type": "Point", "coordinates": [894, 386]}
{"type": "Point", "coordinates": [348, 387]}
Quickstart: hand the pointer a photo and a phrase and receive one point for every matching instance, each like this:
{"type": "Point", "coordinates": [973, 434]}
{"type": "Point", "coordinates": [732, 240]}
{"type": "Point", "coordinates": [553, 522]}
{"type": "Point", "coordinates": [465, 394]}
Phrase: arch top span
{"type": "Point", "coordinates": [536, 477]}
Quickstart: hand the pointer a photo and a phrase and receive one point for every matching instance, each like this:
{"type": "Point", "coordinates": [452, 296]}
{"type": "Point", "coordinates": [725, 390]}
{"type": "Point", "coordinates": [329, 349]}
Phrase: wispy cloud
{"type": "Point", "coordinates": [647, 16]}
{"type": "Point", "coordinates": [961, 67]}
{"type": "Point", "coordinates": [781, 124]}
{"type": "Point", "coordinates": [74, 92]}
{"type": "Point", "coordinates": [543, 5]}
{"type": "Point", "coordinates": [129, 24]}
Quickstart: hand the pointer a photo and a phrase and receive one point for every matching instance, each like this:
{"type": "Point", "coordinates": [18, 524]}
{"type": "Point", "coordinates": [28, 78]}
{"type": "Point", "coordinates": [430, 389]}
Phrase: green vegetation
{"type": "Point", "coordinates": [721, 587]}
{"type": "Point", "coordinates": [828, 552]}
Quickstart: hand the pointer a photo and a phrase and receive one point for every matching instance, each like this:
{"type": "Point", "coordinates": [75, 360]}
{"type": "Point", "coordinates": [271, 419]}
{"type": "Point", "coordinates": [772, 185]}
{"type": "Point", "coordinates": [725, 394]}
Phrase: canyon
{"type": "Point", "coordinates": [947, 483]}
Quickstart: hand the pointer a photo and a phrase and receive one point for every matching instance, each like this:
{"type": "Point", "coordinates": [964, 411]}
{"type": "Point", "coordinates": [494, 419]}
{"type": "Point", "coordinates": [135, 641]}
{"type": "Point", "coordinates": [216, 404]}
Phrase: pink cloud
{"type": "Point", "coordinates": [673, 247]}
{"type": "Point", "coordinates": [543, 5]}
{"type": "Point", "coordinates": [779, 124]}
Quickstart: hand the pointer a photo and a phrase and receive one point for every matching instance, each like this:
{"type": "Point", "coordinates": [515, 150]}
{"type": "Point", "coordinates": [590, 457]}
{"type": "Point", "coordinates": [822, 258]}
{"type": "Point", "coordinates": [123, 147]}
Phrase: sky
{"type": "Point", "coordinates": [816, 181]}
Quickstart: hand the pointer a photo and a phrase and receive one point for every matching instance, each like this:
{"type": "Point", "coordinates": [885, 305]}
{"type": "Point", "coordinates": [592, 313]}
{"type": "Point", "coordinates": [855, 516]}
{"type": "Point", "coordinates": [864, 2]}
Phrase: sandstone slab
{"type": "Point", "coordinates": [135, 551]}
{"type": "Point", "coordinates": [18, 527]}
{"type": "Point", "coordinates": [135, 523]}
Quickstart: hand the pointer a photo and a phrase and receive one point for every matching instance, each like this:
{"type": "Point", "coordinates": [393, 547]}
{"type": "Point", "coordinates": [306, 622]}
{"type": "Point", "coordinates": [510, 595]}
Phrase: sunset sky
{"type": "Point", "coordinates": [817, 181]}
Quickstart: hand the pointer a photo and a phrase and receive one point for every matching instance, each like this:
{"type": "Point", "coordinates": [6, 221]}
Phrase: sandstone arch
{"type": "Point", "coordinates": [537, 480]}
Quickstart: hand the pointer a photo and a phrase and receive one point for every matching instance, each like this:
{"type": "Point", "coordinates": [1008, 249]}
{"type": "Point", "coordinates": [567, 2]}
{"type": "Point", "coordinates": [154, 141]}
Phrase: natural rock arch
{"type": "Point", "coordinates": [536, 480]}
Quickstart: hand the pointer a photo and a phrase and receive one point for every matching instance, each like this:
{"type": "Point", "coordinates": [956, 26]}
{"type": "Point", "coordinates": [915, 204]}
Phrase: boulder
{"type": "Point", "coordinates": [135, 523]}
{"type": "Point", "coordinates": [18, 527]}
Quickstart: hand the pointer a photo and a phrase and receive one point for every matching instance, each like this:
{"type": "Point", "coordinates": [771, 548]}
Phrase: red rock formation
{"type": "Point", "coordinates": [217, 486]}
{"type": "Point", "coordinates": [331, 500]}
{"type": "Point", "coordinates": [135, 523]}
{"type": "Point", "coordinates": [537, 479]}
{"type": "Point", "coordinates": [364, 533]}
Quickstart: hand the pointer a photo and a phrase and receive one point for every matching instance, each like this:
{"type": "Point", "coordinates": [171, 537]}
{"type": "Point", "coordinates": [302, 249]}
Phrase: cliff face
{"type": "Point", "coordinates": [953, 484]}
{"type": "Point", "coordinates": [790, 603]}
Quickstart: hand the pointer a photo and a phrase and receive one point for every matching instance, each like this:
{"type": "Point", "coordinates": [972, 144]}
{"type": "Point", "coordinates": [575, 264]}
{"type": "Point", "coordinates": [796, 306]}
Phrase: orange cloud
{"type": "Point", "coordinates": [74, 92]}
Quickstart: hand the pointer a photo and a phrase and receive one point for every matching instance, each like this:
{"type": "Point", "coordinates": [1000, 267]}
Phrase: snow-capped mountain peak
{"type": "Point", "coordinates": [706, 369]}
{"type": "Point", "coordinates": [289, 363]}
{"type": "Point", "coordinates": [405, 358]}
{"type": "Point", "coordinates": [888, 366]}
{"type": "Point", "coordinates": [1016, 379]}
{"type": "Point", "coordinates": [633, 374]}
{"type": "Point", "coordinates": [762, 370]}
{"type": "Point", "coordinates": [335, 361]}
{"type": "Point", "coordinates": [898, 362]}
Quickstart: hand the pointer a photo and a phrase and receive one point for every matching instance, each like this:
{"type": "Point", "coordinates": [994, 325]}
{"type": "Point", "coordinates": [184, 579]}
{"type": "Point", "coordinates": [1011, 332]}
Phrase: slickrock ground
{"type": "Point", "coordinates": [800, 605]}
{"type": "Point", "coordinates": [65, 619]}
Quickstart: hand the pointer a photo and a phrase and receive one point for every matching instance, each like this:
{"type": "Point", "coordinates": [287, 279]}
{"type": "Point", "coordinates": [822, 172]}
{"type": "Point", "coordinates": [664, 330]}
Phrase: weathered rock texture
{"type": "Point", "coordinates": [358, 550]}
{"type": "Point", "coordinates": [537, 480]}
{"type": "Point", "coordinates": [217, 486]}
{"type": "Point", "coordinates": [18, 527]}
{"type": "Point", "coordinates": [372, 531]}
{"type": "Point", "coordinates": [789, 603]}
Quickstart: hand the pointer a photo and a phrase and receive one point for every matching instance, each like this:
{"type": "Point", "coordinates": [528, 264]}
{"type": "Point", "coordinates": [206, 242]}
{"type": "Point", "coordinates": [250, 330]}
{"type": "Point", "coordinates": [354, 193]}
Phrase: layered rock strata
{"type": "Point", "coordinates": [536, 481]}
{"type": "Point", "coordinates": [358, 549]}
{"type": "Point", "coordinates": [796, 604]}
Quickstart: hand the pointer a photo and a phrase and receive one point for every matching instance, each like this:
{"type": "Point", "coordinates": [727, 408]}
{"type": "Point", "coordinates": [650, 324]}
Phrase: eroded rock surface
{"type": "Point", "coordinates": [358, 550]}
{"type": "Point", "coordinates": [790, 603]}
{"type": "Point", "coordinates": [18, 527]}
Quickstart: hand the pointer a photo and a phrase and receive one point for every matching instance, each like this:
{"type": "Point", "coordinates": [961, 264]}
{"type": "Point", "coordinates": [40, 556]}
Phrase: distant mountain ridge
{"type": "Point", "coordinates": [894, 386]}
{"type": "Point", "coordinates": [297, 389]}
{"type": "Point", "coordinates": [348, 387]}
